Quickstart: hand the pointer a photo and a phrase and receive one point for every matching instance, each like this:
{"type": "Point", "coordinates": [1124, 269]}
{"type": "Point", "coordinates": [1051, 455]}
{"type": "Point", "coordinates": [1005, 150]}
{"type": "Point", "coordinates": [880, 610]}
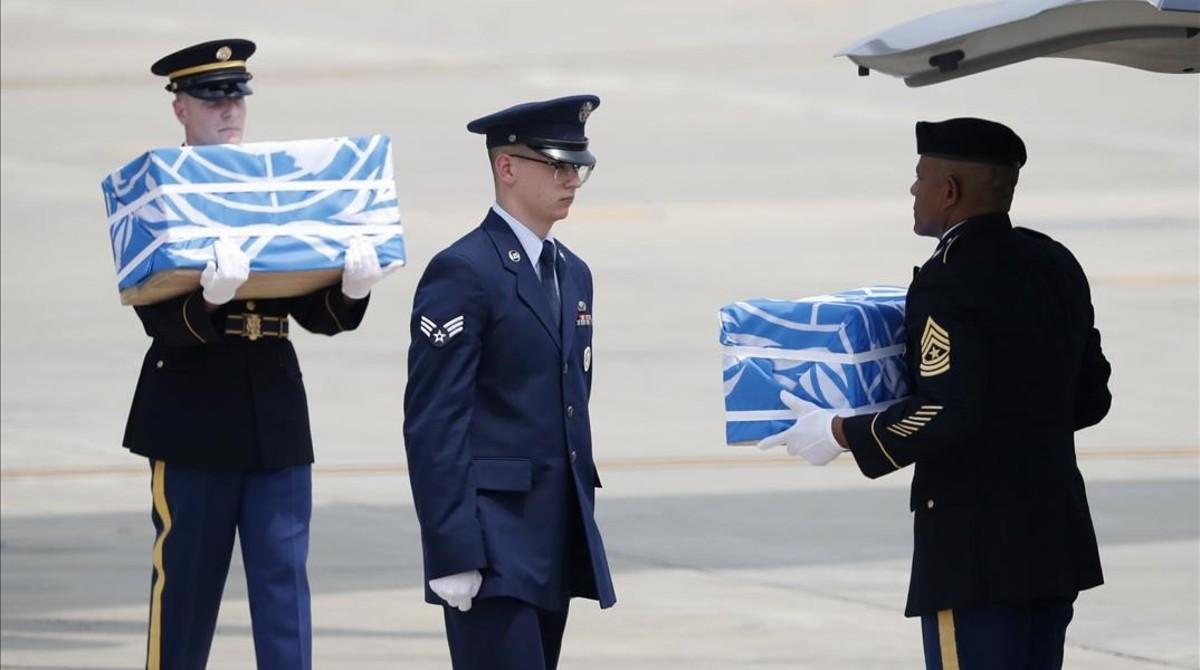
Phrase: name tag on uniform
{"type": "Point", "coordinates": [584, 318]}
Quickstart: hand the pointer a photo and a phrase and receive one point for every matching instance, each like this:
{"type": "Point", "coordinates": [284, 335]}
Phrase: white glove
{"type": "Point", "coordinates": [811, 437]}
{"type": "Point", "coordinates": [362, 269]}
{"type": "Point", "coordinates": [458, 590]}
{"type": "Point", "coordinates": [221, 279]}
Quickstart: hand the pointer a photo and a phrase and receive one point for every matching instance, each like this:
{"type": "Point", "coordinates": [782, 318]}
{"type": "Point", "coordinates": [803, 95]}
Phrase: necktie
{"type": "Point", "coordinates": [546, 269]}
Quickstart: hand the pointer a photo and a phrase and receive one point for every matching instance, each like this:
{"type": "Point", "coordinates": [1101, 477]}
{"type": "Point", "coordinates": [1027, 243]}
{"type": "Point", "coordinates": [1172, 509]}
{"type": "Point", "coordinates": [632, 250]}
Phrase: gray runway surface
{"type": "Point", "coordinates": [737, 158]}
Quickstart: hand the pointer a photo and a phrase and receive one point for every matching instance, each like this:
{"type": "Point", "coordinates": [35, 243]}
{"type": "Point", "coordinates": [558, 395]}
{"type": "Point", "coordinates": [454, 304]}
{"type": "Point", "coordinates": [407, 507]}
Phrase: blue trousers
{"type": "Point", "coordinates": [504, 634]}
{"type": "Point", "coordinates": [196, 514]}
{"type": "Point", "coordinates": [1028, 637]}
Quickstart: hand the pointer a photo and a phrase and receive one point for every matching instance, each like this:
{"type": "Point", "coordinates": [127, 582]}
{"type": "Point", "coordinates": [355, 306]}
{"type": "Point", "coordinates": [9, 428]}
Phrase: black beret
{"type": "Point", "coordinates": [972, 140]}
{"type": "Point", "coordinates": [553, 128]}
{"type": "Point", "coordinates": [209, 70]}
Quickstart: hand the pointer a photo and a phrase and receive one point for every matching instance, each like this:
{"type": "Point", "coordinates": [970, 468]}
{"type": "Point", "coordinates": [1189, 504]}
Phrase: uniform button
{"type": "Point", "coordinates": [250, 305]}
{"type": "Point", "coordinates": [573, 455]}
{"type": "Point", "coordinates": [570, 410]}
{"type": "Point", "coordinates": [565, 366]}
{"type": "Point", "coordinates": [929, 503]}
{"type": "Point", "coordinates": [159, 364]}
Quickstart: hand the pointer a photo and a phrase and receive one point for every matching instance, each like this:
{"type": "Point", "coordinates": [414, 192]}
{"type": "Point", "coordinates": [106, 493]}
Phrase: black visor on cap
{"type": "Point", "coordinates": [553, 128]}
{"type": "Point", "coordinates": [575, 153]}
{"type": "Point", "coordinates": [220, 91]}
{"type": "Point", "coordinates": [227, 83]}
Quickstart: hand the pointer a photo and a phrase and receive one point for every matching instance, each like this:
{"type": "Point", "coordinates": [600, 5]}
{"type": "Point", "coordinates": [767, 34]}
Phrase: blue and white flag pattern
{"type": "Point", "coordinates": [292, 206]}
{"type": "Point", "coordinates": [839, 351]}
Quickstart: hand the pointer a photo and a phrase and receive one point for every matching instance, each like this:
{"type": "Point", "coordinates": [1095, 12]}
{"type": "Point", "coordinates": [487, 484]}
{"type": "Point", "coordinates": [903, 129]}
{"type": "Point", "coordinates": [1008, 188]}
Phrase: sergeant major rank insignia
{"type": "Point", "coordinates": [439, 336]}
{"type": "Point", "coordinates": [935, 349]}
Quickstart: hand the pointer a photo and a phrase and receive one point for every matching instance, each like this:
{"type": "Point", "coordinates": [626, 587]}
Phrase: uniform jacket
{"type": "Point", "coordinates": [496, 423]}
{"type": "Point", "coordinates": [1006, 364]}
{"type": "Point", "coordinates": [208, 399]}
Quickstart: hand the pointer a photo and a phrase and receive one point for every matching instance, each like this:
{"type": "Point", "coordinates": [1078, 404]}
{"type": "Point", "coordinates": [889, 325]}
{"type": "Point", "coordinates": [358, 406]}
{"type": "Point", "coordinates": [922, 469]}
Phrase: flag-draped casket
{"type": "Point", "coordinates": [842, 351]}
{"type": "Point", "coordinates": [291, 206]}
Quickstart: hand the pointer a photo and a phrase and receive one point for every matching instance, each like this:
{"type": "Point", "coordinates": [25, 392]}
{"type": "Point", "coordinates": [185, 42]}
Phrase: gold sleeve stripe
{"type": "Point", "coordinates": [946, 640]}
{"type": "Point", "coordinates": [909, 423]}
{"type": "Point", "coordinates": [902, 432]}
{"type": "Point", "coordinates": [935, 408]}
{"type": "Point", "coordinates": [329, 308]}
{"type": "Point", "coordinates": [189, 323]}
{"type": "Point", "coordinates": [929, 413]}
{"type": "Point", "coordinates": [207, 67]}
{"type": "Point", "coordinates": [878, 442]}
{"type": "Point", "coordinates": [159, 493]}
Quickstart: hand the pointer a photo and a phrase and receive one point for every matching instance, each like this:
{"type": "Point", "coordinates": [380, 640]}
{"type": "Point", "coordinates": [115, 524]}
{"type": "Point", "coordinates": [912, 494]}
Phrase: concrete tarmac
{"type": "Point", "coordinates": [737, 159]}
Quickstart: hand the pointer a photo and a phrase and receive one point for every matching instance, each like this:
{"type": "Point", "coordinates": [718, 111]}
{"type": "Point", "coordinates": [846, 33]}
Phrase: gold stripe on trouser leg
{"type": "Point", "coordinates": [946, 640]}
{"type": "Point", "coordinates": [158, 487]}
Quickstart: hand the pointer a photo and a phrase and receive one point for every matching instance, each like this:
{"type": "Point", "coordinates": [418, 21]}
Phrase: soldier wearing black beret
{"type": "Point", "coordinates": [1006, 366]}
{"type": "Point", "coordinates": [220, 411]}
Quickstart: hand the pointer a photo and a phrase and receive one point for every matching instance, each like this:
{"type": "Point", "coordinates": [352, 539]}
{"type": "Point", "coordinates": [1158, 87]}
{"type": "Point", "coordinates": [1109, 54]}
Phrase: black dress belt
{"type": "Point", "coordinates": [255, 326]}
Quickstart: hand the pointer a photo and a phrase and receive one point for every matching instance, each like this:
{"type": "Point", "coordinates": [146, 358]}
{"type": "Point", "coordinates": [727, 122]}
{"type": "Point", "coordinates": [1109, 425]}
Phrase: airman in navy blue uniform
{"type": "Point", "coordinates": [496, 410]}
{"type": "Point", "coordinates": [1006, 366]}
{"type": "Point", "coordinates": [221, 413]}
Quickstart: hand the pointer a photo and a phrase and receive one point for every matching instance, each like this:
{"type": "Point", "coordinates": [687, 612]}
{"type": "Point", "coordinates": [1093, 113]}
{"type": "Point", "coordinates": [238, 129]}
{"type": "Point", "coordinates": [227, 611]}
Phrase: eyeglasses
{"type": "Point", "coordinates": [563, 172]}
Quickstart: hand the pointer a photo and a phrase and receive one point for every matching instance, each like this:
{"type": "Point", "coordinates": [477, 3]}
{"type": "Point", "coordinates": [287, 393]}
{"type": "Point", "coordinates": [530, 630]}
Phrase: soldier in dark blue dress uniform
{"type": "Point", "coordinates": [496, 419]}
{"type": "Point", "coordinates": [220, 412]}
{"type": "Point", "coordinates": [1006, 366]}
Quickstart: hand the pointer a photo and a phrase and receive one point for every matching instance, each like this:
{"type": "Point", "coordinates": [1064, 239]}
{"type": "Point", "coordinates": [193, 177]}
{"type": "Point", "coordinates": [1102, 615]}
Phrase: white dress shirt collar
{"type": "Point", "coordinates": [530, 242]}
{"type": "Point", "coordinates": [949, 230]}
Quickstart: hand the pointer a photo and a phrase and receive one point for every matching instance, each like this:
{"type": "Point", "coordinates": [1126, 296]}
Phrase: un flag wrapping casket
{"type": "Point", "coordinates": [292, 207]}
{"type": "Point", "coordinates": [839, 351]}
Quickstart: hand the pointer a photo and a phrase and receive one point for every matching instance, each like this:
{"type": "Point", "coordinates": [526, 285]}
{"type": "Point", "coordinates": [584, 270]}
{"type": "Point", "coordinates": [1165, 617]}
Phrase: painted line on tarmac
{"type": "Point", "coordinates": [617, 464]}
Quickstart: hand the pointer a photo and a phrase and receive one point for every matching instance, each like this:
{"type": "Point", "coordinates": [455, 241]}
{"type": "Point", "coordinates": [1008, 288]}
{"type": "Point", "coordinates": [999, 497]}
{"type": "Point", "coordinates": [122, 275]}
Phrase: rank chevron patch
{"type": "Point", "coordinates": [911, 424]}
{"type": "Point", "coordinates": [439, 336]}
{"type": "Point", "coordinates": [935, 349]}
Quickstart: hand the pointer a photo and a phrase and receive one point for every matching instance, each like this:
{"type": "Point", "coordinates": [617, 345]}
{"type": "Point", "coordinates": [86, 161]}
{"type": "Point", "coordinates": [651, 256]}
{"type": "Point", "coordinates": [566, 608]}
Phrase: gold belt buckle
{"type": "Point", "coordinates": [252, 326]}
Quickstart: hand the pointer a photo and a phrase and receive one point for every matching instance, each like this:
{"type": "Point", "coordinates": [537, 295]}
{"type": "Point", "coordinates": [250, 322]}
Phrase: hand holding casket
{"type": "Point", "coordinates": [222, 277]}
{"type": "Point", "coordinates": [811, 437]}
{"type": "Point", "coordinates": [361, 270]}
